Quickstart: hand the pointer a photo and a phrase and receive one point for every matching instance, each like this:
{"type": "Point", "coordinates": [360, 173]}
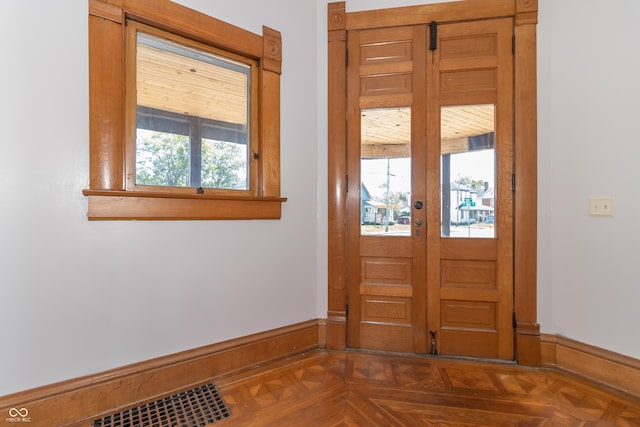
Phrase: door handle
{"type": "Point", "coordinates": [418, 222]}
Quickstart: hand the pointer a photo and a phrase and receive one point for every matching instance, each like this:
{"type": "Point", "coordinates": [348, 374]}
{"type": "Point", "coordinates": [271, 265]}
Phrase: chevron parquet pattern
{"type": "Point", "coordinates": [371, 390]}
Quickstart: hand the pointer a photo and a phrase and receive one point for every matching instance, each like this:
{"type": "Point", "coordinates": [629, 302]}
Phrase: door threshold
{"type": "Point", "coordinates": [432, 356]}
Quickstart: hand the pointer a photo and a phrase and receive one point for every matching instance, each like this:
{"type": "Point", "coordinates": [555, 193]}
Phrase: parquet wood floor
{"type": "Point", "coordinates": [370, 390]}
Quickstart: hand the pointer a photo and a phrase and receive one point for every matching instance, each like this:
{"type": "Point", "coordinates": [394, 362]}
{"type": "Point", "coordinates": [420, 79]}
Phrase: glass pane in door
{"type": "Point", "coordinates": [385, 172]}
{"type": "Point", "coordinates": [467, 171]}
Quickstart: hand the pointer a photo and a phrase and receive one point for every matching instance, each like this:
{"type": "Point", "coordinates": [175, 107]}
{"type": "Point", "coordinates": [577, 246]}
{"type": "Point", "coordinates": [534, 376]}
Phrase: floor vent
{"type": "Point", "coordinates": [193, 408]}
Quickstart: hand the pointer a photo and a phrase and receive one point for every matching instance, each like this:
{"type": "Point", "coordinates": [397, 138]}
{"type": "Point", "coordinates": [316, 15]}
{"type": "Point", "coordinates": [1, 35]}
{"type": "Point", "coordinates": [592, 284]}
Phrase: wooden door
{"type": "Point", "coordinates": [416, 96]}
{"type": "Point", "coordinates": [386, 231]}
{"type": "Point", "coordinates": [470, 257]}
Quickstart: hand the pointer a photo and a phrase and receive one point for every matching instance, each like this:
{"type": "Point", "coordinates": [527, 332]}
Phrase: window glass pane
{"type": "Point", "coordinates": [162, 159]}
{"type": "Point", "coordinates": [385, 171]}
{"type": "Point", "coordinates": [197, 106]}
{"type": "Point", "coordinates": [468, 171]}
{"type": "Point", "coordinates": [224, 165]}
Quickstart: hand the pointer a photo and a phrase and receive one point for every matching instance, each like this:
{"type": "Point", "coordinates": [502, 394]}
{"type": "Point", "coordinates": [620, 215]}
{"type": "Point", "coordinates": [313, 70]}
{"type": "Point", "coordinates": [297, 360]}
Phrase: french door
{"type": "Point", "coordinates": [429, 205]}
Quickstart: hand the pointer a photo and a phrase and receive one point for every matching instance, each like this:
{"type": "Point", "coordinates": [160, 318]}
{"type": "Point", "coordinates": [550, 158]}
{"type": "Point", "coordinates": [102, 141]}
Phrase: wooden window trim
{"type": "Point", "coordinates": [109, 197]}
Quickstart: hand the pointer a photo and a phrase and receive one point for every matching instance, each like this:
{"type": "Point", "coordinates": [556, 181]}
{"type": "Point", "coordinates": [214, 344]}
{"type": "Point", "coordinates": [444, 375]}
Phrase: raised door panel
{"type": "Point", "coordinates": [468, 308]}
{"type": "Point", "coordinates": [386, 306]}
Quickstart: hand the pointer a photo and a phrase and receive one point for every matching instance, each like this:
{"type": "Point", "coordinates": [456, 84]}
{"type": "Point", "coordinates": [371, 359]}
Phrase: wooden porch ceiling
{"type": "Point", "coordinates": [179, 84]}
{"type": "Point", "coordinates": [386, 132]}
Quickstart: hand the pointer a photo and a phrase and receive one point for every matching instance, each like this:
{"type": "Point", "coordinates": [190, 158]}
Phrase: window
{"type": "Point", "coordinates": [192, 114]}
{"type": "Point", "coordinates": [184, 115]}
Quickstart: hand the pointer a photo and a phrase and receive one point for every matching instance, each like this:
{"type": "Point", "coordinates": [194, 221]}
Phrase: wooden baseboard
{"type": "Point", "coordinates": [78, 401]}
{"type": "Point", "coordinates": [604, 367]}
{"type": "Point", "coordinates": [528, 344]}
{"type": "Point", "coordinates": [337, 330]}
{"type": "Point", "coordinates": [322, 333]}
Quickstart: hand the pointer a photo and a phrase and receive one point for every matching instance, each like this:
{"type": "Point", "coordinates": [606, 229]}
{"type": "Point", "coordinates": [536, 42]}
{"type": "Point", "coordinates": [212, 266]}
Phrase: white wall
{"type": "Point", "coordinates": [589, 109]}
{"type": "Point", "coordinates": [79, 297]}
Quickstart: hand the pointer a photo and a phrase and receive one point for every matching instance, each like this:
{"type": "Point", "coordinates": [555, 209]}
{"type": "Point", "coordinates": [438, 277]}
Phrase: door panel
{"type": "Point", "coordinates": [386, 294]}
{"type": "Point", "coordinates": [470, 301]}
{"type": "Point", "coordinates": [469, 59]}
{"type": "Point", "coordinates": [417, 282]}
{"type": "Point", "coordinates": [386, 308]}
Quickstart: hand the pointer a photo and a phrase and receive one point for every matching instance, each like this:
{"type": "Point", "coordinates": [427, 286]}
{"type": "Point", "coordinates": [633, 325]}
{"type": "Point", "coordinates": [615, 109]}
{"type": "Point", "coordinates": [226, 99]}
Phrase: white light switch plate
{"type": "Point", "coordinates": [601, 206]}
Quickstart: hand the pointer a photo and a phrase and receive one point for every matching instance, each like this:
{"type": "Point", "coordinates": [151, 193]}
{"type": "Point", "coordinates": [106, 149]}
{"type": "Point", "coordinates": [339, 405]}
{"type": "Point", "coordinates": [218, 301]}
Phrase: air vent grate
{"type": "Point", "coordinates": [198, 407]}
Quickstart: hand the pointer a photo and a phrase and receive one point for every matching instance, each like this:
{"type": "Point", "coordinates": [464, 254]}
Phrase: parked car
{"type": "Point", "coordinates": [490, 219]}
{"type": "Point", "coordinates": [404, 219]}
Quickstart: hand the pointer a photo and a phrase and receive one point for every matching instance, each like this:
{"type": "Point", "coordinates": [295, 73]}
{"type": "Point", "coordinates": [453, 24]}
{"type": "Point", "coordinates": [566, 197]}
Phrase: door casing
{"type": "Point", "coordinates": [524, 13]}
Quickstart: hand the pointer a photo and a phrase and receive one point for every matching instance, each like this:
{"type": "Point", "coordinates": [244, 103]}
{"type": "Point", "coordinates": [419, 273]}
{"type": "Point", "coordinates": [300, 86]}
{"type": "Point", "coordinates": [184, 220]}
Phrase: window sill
{"type": "Point", "coordinates": [129, 205]}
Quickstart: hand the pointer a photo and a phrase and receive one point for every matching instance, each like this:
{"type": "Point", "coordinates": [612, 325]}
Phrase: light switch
{"type": "Point", "coordinates": [601, 206]}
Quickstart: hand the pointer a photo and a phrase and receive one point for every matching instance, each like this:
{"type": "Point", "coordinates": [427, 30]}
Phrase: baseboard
{"type": "Point", "coordinates": [528, 344]}
{"type": "Point", "coordinates": [86, 398]}
{"type": "Point", "coordinates": [604, 367]}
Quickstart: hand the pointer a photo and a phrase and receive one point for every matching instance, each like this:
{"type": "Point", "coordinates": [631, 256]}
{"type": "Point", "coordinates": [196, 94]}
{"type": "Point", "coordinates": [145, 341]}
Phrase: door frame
{"type": "Point", "coordinates": [525, 18]}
